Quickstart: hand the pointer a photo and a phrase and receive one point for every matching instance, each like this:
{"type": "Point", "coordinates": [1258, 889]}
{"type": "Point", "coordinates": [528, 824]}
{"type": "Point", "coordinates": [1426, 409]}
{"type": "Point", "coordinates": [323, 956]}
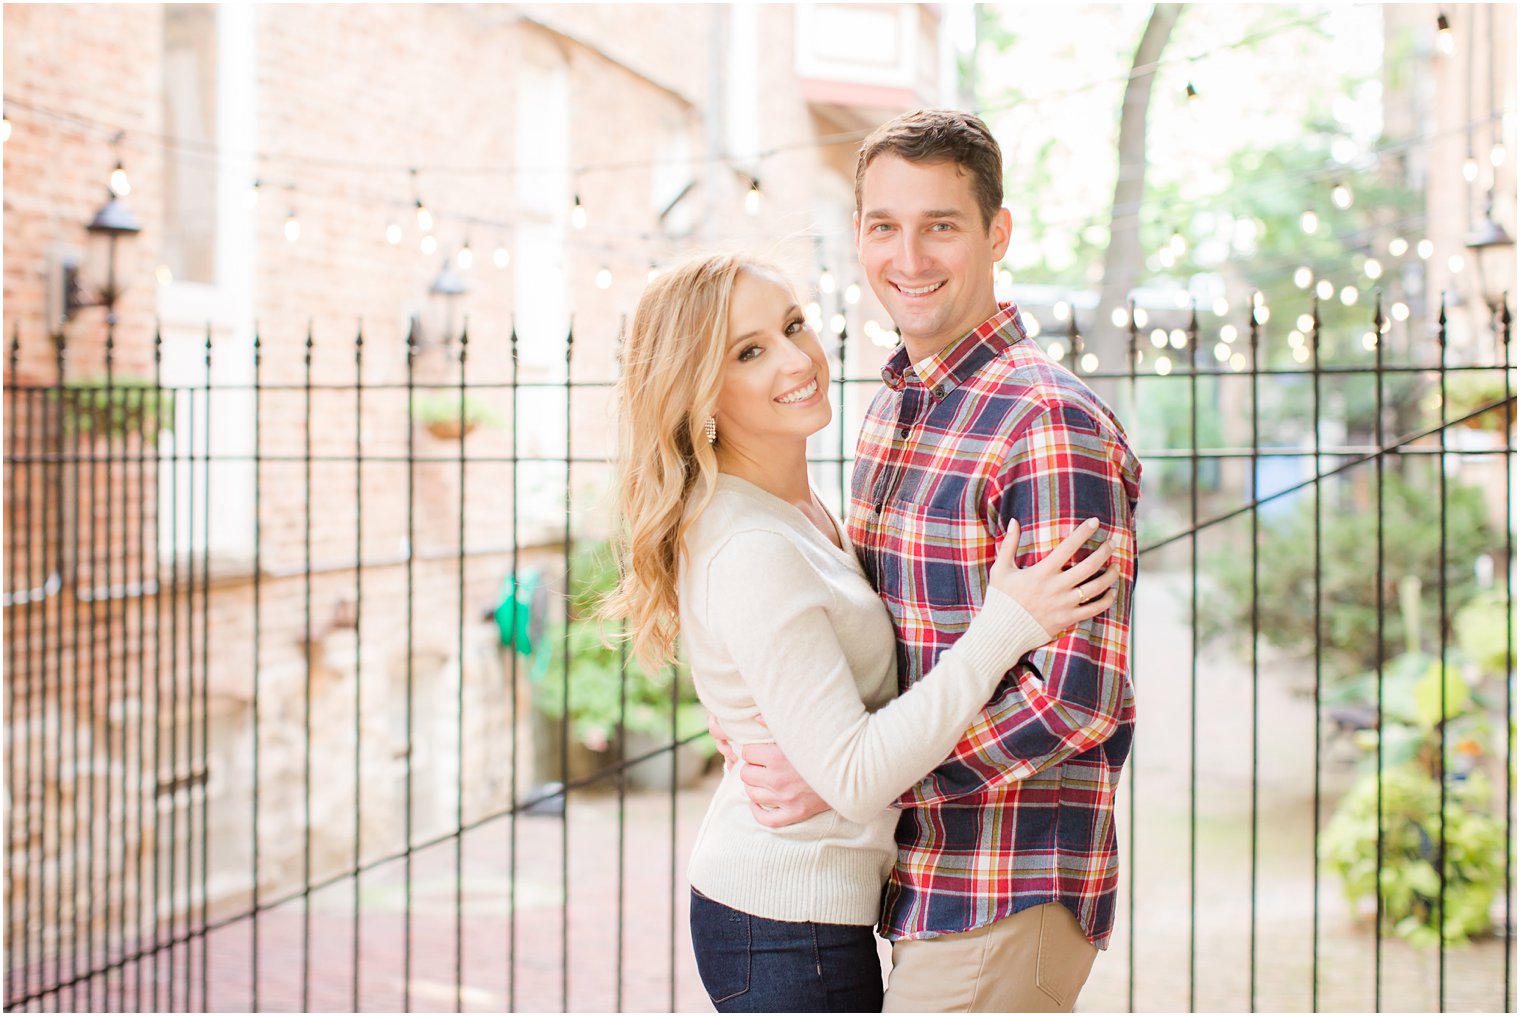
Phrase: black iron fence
{"type": "Point", "coordinates": [304, 710]}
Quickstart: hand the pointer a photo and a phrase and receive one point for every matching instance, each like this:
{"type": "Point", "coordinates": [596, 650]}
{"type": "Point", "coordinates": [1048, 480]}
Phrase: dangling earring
{"type": "Point", "coordinates": [711, 429]}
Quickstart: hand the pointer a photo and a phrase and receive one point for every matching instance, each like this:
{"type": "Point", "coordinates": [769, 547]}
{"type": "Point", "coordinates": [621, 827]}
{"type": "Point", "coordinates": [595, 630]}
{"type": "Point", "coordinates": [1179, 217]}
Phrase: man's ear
{"type": "Point", "coordinates": [1000, 232]}
{"type": "Point", "coordinates": [857, 233]}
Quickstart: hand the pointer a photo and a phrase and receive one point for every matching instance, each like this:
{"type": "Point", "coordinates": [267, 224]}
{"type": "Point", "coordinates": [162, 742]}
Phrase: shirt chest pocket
{"type": "Point", "coordinates": [943, 553]}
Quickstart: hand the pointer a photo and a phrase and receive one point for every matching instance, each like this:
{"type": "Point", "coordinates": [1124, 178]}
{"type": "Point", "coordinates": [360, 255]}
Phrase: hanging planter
{"type": "Point", "coordinates": [440, 414]}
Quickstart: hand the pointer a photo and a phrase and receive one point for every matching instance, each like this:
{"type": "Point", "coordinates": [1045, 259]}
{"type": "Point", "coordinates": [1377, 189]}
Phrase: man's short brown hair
{"type": "Point", "coordinates": [940, 135]}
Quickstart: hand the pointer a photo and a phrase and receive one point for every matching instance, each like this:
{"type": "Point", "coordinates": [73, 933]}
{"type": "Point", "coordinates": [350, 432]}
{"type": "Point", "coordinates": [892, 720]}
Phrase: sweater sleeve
{"type": "Point", "coordinates": [769, 608]}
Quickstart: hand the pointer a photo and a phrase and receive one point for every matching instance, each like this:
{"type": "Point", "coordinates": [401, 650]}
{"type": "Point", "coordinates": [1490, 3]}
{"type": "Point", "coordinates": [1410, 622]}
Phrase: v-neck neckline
{"type": "Point", "coordinates": [793, 514]}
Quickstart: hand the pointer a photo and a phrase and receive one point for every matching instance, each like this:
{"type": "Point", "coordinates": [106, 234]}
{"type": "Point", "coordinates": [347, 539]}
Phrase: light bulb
{"type": "Point", "coordinates": [1425, 249]}
{"type": "Point", "coordinates": [1470, 169]}
{"type": "Point", "coordinates": [1398, 246]}
{"type": "Point", "coordinates": [1120, 317]}
{"type": "Point", "coordinates": [1373, 268]}
{"type": "Point", "coordinates": [253, 195]}
{"type": "Point", "coordinates": [1221, 307]}
{"type": "Point", "coordinates": [164, 275]}
{"type": "Point", "coordinates": [1455, 264]}
{"type": "Point", "coordinates": [852, 294]}
{"type": "Point", "coordinates": [465, 258]}
{"type": "Point", "coordinates": [1062, 311]}
{"type": "Point", "coordinates": [1305, 322]}
{"type": "Point", "coordinates": [1308, 222]}
{"type": "Point", "coordinates": [430, 244]}
{"type": "Point", "coordinates": [1301, 354]}
{"type": "Point", "coordinates": [1179, 338]}
{"type": "Point", "coordinates": [1238, 361]}
{"type": "Point", "coordinates": [292, 227]}
{"type": "Point", "coordinates": [393, 234]}
{"type": "Point", "coordinates": [836, 323]}
{"type": "Point", "coordinates": [1445, 44]}
{"type": "Point", "coordinates": [424, 217]}
{"type": "Point", "coordinates": [1166, 257]}
{"type": "Point", "coordinates": [1141, 317]}
{"type": "Point", "coordinates": [826, 282]}
{"type": "Point", "coordinates": [1158, 338]}
{"type": "Point", "coordinates": [1221, 352]}
{"type": "Point", "coordinates": [752, 198]}
{"type": "Point", "coordinates": [1295, 338]}
{"type": "Point", "coordinates": [1303, 278]}
{"type": "Point", "coordinates": [1400, 311]}
{"type": "Point", "coordinates": [501, 257]}
{"type": "Point", "coordinates": [1496, 155]}
{"type": "Point", "coordinates": [604, 279]}
{"type": "Point", "coordinates": [1349, 295]}
{"type": "Point", "coordinates": [1341, 195]}
{"type": "Point", "coordinates": [1163, 365]}
{"type": "Point", "coordinates": [1324, 289]}
{"type": "Point", "coordinates": [654, 273]}
{"type": "Point", "coordinates": [1229, 333]}
{"type": "Point", "coordinates": [120, 185]}
{"type": "Point", "coordinates": [1089, 362]}
{"type": "Point", "coordinates": [578, 214]}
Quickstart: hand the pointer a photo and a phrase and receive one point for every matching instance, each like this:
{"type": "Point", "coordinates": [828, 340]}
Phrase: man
{"type": "Point", "coordinates": [1007, 871]}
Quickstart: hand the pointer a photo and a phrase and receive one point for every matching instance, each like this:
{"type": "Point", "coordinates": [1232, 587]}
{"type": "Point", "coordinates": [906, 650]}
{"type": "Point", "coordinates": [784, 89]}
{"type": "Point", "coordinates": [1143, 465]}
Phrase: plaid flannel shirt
{"type": "Point", "coordinates": [1021, 813]}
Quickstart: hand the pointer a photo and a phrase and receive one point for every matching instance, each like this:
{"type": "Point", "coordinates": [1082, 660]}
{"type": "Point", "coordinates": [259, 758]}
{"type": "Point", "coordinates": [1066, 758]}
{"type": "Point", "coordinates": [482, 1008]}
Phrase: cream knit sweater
{"type": "Point", "coordinates": [777, 620]}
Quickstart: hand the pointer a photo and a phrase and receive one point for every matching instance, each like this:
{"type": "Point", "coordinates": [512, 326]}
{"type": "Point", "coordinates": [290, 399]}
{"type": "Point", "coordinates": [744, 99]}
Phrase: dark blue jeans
{"type": "Point", "coordinates": [754, 964]}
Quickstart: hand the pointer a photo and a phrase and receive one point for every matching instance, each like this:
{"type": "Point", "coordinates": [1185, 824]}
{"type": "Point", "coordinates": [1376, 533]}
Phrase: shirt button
{"type": "Point", "coordinates": [902, 432]}
{"type": "Point", "coordinates": [877, 507]}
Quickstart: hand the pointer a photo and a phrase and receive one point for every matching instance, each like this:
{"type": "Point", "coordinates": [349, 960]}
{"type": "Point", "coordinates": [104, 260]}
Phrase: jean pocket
{"type": "Point", "coordinates": [720, 938]}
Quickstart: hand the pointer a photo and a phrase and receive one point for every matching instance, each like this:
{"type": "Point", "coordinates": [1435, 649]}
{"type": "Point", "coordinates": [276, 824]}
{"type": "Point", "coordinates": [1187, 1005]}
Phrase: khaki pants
{"type": "Point", "coordinates": [1035, 961]}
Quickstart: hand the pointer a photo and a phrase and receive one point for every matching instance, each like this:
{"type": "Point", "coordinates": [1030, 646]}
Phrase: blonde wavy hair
{"type": "Point", "coordinates": [672, 369]}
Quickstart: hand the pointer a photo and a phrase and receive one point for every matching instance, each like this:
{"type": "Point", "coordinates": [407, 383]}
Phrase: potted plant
{"type": "Point", "coordinates": [1470, 390]}
{"type": "Point", "coordinates": [450, 415]}
{"type": "Point", "coordinates": [612, 699]}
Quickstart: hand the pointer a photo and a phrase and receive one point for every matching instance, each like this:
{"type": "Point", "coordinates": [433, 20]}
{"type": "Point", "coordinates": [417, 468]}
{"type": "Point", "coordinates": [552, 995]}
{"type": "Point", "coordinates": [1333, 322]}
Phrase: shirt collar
{"type": "Point", "coordinates": [942, 372]}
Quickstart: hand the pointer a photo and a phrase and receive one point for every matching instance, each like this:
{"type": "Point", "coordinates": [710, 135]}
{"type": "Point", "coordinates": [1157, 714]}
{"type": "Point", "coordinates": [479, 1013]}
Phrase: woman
{"type": "Point", "coordinates": [725, 542]}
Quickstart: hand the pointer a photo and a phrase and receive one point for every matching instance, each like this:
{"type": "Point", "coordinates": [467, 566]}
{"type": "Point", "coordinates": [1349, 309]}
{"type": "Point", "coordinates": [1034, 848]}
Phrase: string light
{"type": "Point", "coordinates": [826, 282]}
{"type": "Point", "coordinates": [1031, 326]}
{"type": "Point", "coordinates": [430, 245]}
{"type": "Point", "coordinates": [1398, 246]}
{"type": "Point", "coordinates": [1191, 92]}
{"type": "Point", "coordinates": [1221, 307]}
{"type": "Point", "coordinates": [1470, 169]}
{"type": "Point", "coordinates": [578, 214]}
{"type": "Point", "coordinates": [1400, 311]}
{"type": "Point", "coordinates": [424, 217]}
{"type": "Point", "coordinates": [1373, 268]}
{"type": "Point", "coordinates": [253, 194]}
{"type": "Point", "coordinates": [1089, 362]}
{"type": "Point", "coordinates": [1369, 341]}
{"type": "Point", "coordinates": [1141, 317]}
{"type": "Point", "coordinates": [1062, 311]}
{"type": "Point", "coordinates": [1496, 154]}
{"type": "Point", "coordinates": [1179, 338]}
{"type": "Point", "coordinates": [1305, 324]}
{"type": "Point", "coordinates": [836, 324]}
{"type": "Point", "coordinates": [1056, 351]}
{"type": "Point", "coordinates": [1163, 365]}
{"type": "Point", "coordinates": [1341, 195]}
{"type": "Point", "coordinates": [1296, 338]}
{"type": "Point", "coordinates": [1445, 44]}
{"type": "Point", "coordinates": [604, 278]}
{"type": "Point", "coordinates": [466, 257]}
{"type": "Point", "coordinates": [1303, 278]}
{"type": "Point", "coordinates": [1238, 361]}
{"type": "Point", "coordinates": [1158, 338]}
{"type": "Point", "coordinates": [1309, 221]}
{"type": "Point", "coordinates": [1425, 249]}
{"type": "Point", "coordinates": [852, 294]}
{"type": "Point", "coordinates": [292, 226]}
{"type": "Point", "coordinates": [164, 275]}
{"type": "Point", "coordinates": [1221, 352]}
{"type": "Point", "coordinates": [1301, 354]}
{"type": "Point", "coordinates": [1166, 257]}
{"type": "Point", "coordinates": [501, 257]}
{"type": "Point", "coordinates": [1229, 333]}
{"type": "Point", "coordinates": [1262, 314]}
{"type": "Point", "coordinates": [5, 130]}
{"type": "Point", "coordinates": [1120, 317]}
{"type": "Point", "coordinates": [1455, 264]}
{"type": "Point", "coordinates": [1324, 289]}
{"type": "Point", "coordinates": [752, 199]}
{"type": "Point", "coordinates": [120, 185]}
{"type": "Point", "coordinates": [393, 234]}
{"type": "Point", "coordinates": [654, 273]}
{"type": "Point", "coordinates": [1349, 295]}
{"type": "Point", "coordinates": [1177, 244]}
